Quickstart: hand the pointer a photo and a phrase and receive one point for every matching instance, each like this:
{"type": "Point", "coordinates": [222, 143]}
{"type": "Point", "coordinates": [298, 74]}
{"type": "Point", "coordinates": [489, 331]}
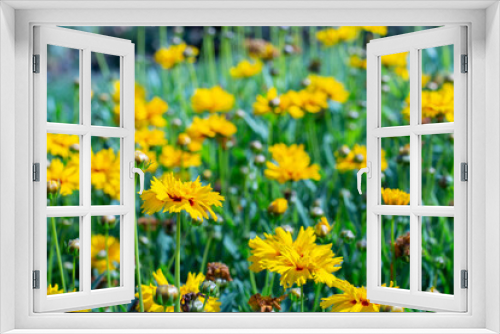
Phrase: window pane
{"type": "Point", "coordinates": [63, 255]}
{"type": "Point", "coordinates": [105, 252]}
{"type": "Point", "coordinates": [63, 86]}
{"type": "Point", "coordinates": [105, 89]}
{"type": "Point", "coordinates": [395, 168]}
{"type": "Point", "coordinates": [437, 84]}
{"type": "Point", "coordinates": [395, 246]}
{"type": "Point", "coordinates": [395, 94]}
{"type": "Point", "coordinates": [437, 170]}
{"type": "Point", "coordinates": [105, 174]}
{"type": "Point", "coordinates": [63, 169]}
{"type": "Point", "coordinates": [437, 254]}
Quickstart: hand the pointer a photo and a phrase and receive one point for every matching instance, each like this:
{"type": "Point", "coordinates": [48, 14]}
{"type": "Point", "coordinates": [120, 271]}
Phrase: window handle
{"type": "Point", "coordinates": [139, 171]}
{"type": "Point", "coordinates": [368, 171]}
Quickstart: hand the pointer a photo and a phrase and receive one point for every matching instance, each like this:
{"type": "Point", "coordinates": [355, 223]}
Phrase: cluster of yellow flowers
{"type": "Point", "coordinates": [173, 195]}
{"type": "Point", "coordinates": [105, 172]}
{"type": "Point", "coordinates": [297, 261]}
{"type": "Point", "coordinates": [398, 62]}
{"type": "Point", "coordinates": [395, 197]}
{"type": "Point", "coordinates": [192, 286]}
{"type": "Point", "coordinates": [211, 127]}
{"type": "Point", "coordinates": [64, 171]}
{"type": "Point", "coordinates": [175, 54]}
{"type": "Point", "coordinates": [213, 99]}
{"type": "Point", "coordinates": [246, 69]}
{"type": "Point", "coordinates": [436, 103]}
{"type": "Point", "coordinates": [312, 99]}
{"type": "Point", "coordinates": [292, 163]}
{"type": "Point", "coordinates": [171, 157]}
{"type": "Point", "coordinates": [331, 36]}
{"type": "Point", "coordinates": [98, 247]}
{"type": "Point", "coordinates": [146, 112]}
{"type": "Point", "coordinates": [355, 159]}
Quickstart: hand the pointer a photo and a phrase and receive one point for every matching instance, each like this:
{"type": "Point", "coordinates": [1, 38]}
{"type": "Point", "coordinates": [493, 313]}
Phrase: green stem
{"type": "Point", "coordinates": [103, 64]}
{"type": "Point", "coordinates": [317, 294]}
{"type": "Point", "coordinates": [58, 253]}
{"type": "Point", "coordinates": [205, 254]}
{"type": "Point", "coordinates": [271, 283]}
{"type": "Point", "coordinates": [252, 282]}
{"type": "Point", "coordinates": [138, 268]}
{"type": "Point", "coordinates": [108, 273]}
{"type": "Point", "coordinates": [178, 261]}
{"type": "Point", "coordinates": [74, 270]}
{"type": "Point", "coordinates": [302, 298]}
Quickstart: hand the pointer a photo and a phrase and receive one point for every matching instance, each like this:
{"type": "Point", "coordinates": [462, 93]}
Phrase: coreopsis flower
{"type": "Point", "coordinates": [146, 138]}
{"type": "Point", "coordinates": [379, 30]}
{"type": "Point", "coordinates": [395, 197]}
{"type": "Point", "coordinates": [218, 270]}
{"type": "Point", "coordinates": [262, 49]}
{"type": "Point", "coordinates": [278, 206]}
{"type": "Point", "coordinates": [140, 92]}
{"type": "Point", "coordinates": [352, 300]}
{"type": "Point", "coordinates": [357, 62]}
{"type": "Point", "coordinates": [171, 157]}
{"type": "Point", "coordinates": [297, 261]}
{"type": "Point", "coordinates": [398, 63]}
{"type": "Point", "coordinates": [328, 85]}
{"type": "Point", "coordinates": [439, 103]}
{"type": "Point", "coordinates": [331, 36]}
{"type": "Point", "coordinates": [98, 253]}
{"type": "Point", "coordinates": [60, 144]}
{"type": "Point", "coordinates": [269, 103]}
{"type": "Point", "coordinates": [313, 101]}
{"type": "Point", "coordinates": [265, 303]}
{"type": "Point", "coordinates": [175, 54]}
{"type": "Point", "coordinates": [215, 126]}
{"type": "Point", "coordinates": [105, 172]}
{"type": "Point", "coordinates": [322, 228]}
{"type": "Point", "coordinates": [54, 290]}
{"type": "Point", "coordinates": [291, 163]}
{"type": "Point", "coordinates": [174, 195]}
{"type": "Point", "coordinates": [213, 99]}
{"type": "Point", "coordinates": [246, 69]}
{"type": "Point", "coordinates": [67, 177]}
{"type": "Point", "coordinates": [355, 159]}
{"type": "Point", "coordinates": [151, 114]}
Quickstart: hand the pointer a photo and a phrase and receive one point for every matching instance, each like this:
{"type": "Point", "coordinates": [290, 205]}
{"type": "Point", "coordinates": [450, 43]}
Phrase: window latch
{"type": "Point", "coordinates": [465, 279]}
{"type": "Point", "coordinates": [368, 171]}
{"type": "Point", "coordinates": [139, 171]}
{"type": "Point", "coordinates": [36, 279]}
{"type": "Point", "coordinates": [36, 172]}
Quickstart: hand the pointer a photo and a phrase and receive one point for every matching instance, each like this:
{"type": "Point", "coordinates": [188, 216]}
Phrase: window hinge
{"type": "Point", "coordinates": [464, 171]}
{"type": "Point", "coordinates": [465, 279]}
{"type": "Point", "coordinates": [36, 172]}
{"type": "Point", "coordinates": [36, 279]}
{"type": "Point", "coordinates": [36, 63]}
{"type": "Point", "coordinates": [465, 64]}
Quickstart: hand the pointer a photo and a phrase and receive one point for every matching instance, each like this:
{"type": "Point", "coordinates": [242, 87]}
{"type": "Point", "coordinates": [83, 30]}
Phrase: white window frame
{"type": "Point", "coordinates": [484, 102]}
{"type": "Point", "coordinates": [85, 43]}
{"type": "Point", "coordinates": [414, 43]}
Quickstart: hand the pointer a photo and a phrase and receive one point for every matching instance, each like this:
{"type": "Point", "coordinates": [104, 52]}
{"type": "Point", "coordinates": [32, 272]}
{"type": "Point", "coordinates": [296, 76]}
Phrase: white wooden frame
{"type": "Point", "coordinates": [86, 43]}
{"type": "Point", "coordinates": [482, 17]}
{"type": "Point", "coordinates": [414, 43]}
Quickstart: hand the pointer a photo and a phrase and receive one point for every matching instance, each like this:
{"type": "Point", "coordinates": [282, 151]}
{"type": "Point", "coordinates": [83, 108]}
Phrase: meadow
{"type": "Point", "coordinates": [250, 138]}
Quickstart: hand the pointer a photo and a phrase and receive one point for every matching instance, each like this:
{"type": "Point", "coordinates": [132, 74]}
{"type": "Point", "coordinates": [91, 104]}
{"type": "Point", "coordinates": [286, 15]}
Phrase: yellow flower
{"type": "Point", "coordinates": [267, 104]}
{"type": "Point", "coordinates": [295, 103]}
{"type": "Point", "coordinates": [67, 177]}
{"type": "Point", "coordinates": [192, 286]}
{"type": "Point", "coordinates": [151, 113]}
{"type": "Point", "coordinates": [357, 62]}
{"type": "Point", "coordinates": [246, 69]}
{"type": "Point", "coordinates": [214, 125]}
{"type": "Point", "coordinates": [313, 101]}
{"type": "Point", "coordinates": [60, 144]}
{"type": "Point", "coordinates": [297, 261]}
{"type": "Point", "coordinates": [322, 228]}
{"type": "Point", "coordinates": [395, 197]}
{"type": "Point", "coordinates": [213, 99]}
{"type": "Point", "coordinates": [54, 290]}
{"type": "Point", "coordinates": [292, 163]}
{"type": "Point", "coordinates": [379, 30]}
{"type": "Point", "coordinates": [98, 253]}
{"type": "Point", "coordinates": [146, 138]}
{"type": "Point", "coordinates": [278, 206]}
{"type": "Point", "coordinates": [105, 172]}
{"type": "Point", "coordinates": [171, 157]}
{"type": "Point", "coordinates": [175, 54]}
{"type": "Point", "coordinates": [352, 300]}
{"type": "Point", "coordinates": [329, 86]}
{"type": "Point", "coordinates": [355, 159]}
{"type": "Point", "coordinates": [173, 195]}
{"type": "Point", "coordinates": [262, 49]}
{"type": "Point", "coordinates": [140, 92]}
{"type": "Point", "coordinates": [398, 62]}
{"type": "Point", "coordinates": [435, 104]}
{"type": "Point", "coordinates": [329, 37]}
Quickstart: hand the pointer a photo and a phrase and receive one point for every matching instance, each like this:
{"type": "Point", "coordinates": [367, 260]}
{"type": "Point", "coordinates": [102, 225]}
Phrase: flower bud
{"type": "Point", "coordinates": [275, 102]}
{"type": "Point", "coordinates": [361, 245]}
{"type": "Point", "coordinates": [74, 247]}
{"type": "Point", "coordinates": [439, 262]}
{"type": "Point", "coordinates": [347, 236]}
{"type": "Point", "coordinates": [209, 288]}
{"type": "Point", "coordinates": [278, 206]}
{"type": "Point", "coordinates": [317, 212]}
{"type": "Point", "coordinates": [240, 113]}
{"type": "Point", "coordinates": [178, 30]}
{"type": "Point", "coordinates": [256, 146]}
{"type": "Point", "coordinates": [183, 139]}
{"type": "Point", "coordinates": [176, 40]}
{"type": "Point", "coordinates": [344, 151]}
{"type": "Point", "coordinates": [359, 158]}
{"type": "Point", "coordinates": [197, 221]}
{"type": "Point", "coordinates": [108, 220]}
{"type": "Point", "coordinates": [75, 147]}
{"type": "Point", "coordinates": [287, 228]}
{"type": "Point", "coordinates": [260, 160]}
{"type": "Point", "coordinates": [52, 186]}
{"type": "Point", "coordinates": [210, 31]}
{"type": "Point", "coordinates": [168, 293]}
{"type": "Point", "coordinates": [207, 174]}
{"type": "Point", "coordinates": [176, 122]}
{"type": "Point", "coordinates": [141, 158]}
